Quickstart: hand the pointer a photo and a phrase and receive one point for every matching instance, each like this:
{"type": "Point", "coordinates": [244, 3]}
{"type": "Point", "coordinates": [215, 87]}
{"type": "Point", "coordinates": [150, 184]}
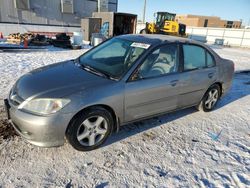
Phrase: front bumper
{"type": "Point", "coordinates": [44, 131]}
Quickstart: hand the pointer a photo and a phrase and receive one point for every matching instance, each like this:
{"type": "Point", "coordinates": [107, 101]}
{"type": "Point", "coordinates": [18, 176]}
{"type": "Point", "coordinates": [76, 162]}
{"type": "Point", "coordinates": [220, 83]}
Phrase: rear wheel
{"type": "Point", "coordinates": [210, 99]}
{"type": "Point", "coordinates": [90, 129]}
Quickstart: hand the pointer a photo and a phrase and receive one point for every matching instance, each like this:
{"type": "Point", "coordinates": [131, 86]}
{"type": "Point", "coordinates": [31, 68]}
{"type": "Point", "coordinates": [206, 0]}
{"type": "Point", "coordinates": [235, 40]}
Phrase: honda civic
{"type": "Point", "coordinates": [125, 79]}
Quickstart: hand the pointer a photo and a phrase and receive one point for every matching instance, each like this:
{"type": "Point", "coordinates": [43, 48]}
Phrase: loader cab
{"type": "Point", "coordinates": [161, 17]}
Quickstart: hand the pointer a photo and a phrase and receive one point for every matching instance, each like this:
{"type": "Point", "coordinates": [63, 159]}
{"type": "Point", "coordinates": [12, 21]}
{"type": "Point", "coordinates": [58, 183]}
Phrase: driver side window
{"type": "Point", "coordinates": [162, 61]}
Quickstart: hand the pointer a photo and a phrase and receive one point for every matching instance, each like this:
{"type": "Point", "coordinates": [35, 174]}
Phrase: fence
{"type": "Point", "coordinates": [225, 36]}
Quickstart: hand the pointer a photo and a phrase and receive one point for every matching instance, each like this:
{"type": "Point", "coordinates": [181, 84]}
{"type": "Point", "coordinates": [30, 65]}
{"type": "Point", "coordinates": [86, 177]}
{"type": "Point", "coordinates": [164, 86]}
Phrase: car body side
{"type": "Point", "coordinates": [112, 96]}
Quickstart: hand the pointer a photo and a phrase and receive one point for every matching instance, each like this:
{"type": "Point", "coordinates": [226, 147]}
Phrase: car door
{"type": "Point", "coordinates": [154, 87]}
{"type": "Point", "coordinates": [200, 71]}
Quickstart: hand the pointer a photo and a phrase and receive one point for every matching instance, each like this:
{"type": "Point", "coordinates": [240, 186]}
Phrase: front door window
{"type": "Point", "coordinates": [161, 61]}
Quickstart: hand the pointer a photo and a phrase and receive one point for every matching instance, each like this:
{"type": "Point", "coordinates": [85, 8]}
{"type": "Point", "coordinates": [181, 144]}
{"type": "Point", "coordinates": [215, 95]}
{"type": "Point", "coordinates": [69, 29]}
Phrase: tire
{"type": "Point", "coordinates": [210, 99]}
{"type": "Point", "coordinates": [144, 31]}
{"type": "Point", "coordinates": [90, 129]}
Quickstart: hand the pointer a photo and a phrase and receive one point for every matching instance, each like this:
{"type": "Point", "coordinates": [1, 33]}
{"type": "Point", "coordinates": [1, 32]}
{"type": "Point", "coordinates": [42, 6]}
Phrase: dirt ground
{"type": "Point", "coordinates": [6, 130]}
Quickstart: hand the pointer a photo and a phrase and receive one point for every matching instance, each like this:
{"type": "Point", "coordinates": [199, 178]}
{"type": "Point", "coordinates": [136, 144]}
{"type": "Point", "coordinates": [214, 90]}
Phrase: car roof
{"type": "Point", "coordinates": [155, 38]}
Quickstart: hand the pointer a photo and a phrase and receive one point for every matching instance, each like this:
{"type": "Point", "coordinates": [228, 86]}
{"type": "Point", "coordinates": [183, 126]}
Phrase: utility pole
{"type": "Point", "coordinates": [102, 5]}
{"type": "Point", "coordinates": [99, 5]}
{"type": "Point", "coordinates": [144, 11]}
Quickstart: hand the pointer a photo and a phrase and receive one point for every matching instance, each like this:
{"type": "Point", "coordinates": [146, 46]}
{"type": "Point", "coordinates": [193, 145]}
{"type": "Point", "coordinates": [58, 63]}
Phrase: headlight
{"type": "Point", "coordinates": [44, 106]}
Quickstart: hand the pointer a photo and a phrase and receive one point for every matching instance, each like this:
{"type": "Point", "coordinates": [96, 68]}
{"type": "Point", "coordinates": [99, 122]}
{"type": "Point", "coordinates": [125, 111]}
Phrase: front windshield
{"type": "Point", "coordinates": [114, 57]}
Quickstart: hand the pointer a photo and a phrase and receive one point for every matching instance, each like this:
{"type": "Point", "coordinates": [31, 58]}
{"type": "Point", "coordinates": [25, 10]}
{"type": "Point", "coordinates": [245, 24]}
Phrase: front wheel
{"type": "Point", "coordinates": [210, 99]}
{"type": "Point", "coordinates": [90, 129]}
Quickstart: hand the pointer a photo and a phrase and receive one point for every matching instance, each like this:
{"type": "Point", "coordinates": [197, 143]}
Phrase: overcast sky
{"type": "Point", "coordinates": [226, 9]}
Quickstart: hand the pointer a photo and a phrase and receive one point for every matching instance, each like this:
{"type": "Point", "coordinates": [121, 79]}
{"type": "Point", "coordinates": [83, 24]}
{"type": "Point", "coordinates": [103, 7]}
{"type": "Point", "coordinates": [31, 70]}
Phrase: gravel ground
{"type": "Point", "coordinates": [181, 149]}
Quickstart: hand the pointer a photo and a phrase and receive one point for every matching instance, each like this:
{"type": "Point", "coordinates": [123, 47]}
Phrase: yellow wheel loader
{"type": "Point", "coordinates": [165, 24]}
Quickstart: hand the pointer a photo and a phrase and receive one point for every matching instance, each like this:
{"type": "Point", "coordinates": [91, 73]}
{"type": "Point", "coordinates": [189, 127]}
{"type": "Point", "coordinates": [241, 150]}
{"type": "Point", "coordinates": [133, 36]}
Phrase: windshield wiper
{"type": "Point", "coordinates": [93, 70]}
{"type": "Point", "coordinates": [97, 72]}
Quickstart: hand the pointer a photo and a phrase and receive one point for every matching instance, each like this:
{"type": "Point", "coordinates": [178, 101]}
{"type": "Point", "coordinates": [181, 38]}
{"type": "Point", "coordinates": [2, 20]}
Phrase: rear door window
{"type": "Point", "coordinates": [210, 60]}
{"type": "Point", "coordinates": [194, 57]}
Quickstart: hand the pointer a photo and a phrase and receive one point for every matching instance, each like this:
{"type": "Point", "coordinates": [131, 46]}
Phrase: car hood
{"type": "Point", "coordinates": [56, 80]}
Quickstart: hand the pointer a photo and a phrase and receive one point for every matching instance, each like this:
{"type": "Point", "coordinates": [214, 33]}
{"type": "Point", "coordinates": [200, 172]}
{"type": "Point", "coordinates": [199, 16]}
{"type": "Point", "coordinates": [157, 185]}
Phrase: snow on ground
{"type": "Point", "coordinates": [181, 149]}
{"type": "Point", "coordinates": [13, 65]}
{"type": "Point", "coordinates": [240, 56]}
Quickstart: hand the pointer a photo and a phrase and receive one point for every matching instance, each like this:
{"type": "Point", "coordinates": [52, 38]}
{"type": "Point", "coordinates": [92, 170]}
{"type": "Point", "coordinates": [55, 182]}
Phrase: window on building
{"type": "Point", "coordinates": [67, 6]}
{"type": "Point", "coordinates": [206, 22]}
{"type": "Point", "coordinates": [22, 4]}
{"type": "Point", "coordinates": [229, 24]}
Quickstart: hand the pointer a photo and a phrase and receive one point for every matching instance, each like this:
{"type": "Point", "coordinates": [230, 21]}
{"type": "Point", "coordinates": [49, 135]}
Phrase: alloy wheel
{"type": "Point", "coordinates": [212, 98]}
{"type": "Point", "coordinates": [92, 130]}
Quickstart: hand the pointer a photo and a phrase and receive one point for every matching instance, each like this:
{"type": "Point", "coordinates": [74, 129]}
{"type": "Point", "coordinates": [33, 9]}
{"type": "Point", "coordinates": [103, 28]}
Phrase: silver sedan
{"type": "Point", "coordinates": [125, 79]}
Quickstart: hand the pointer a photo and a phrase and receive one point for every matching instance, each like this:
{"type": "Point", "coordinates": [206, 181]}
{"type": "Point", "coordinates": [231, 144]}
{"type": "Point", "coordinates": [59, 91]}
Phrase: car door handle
{"type": "Point", "coordinates": [210, 75]}
{"type": "Point", "coordinates": [174, 82]}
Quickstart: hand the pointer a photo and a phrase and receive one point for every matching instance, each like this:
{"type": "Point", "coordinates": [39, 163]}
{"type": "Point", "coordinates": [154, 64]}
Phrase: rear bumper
{"type": "Point", "coordinates": [225, 88]}
{"type": "Point", "coordinates": [43, 131]}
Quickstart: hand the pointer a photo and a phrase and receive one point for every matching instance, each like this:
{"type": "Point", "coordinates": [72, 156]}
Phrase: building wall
{"type": "Point", "coordinates": [212, 21]}
{"type": "Point", "coordinates": [48, 12]}
{"type": "Point", "coordinates": [190, 21]}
